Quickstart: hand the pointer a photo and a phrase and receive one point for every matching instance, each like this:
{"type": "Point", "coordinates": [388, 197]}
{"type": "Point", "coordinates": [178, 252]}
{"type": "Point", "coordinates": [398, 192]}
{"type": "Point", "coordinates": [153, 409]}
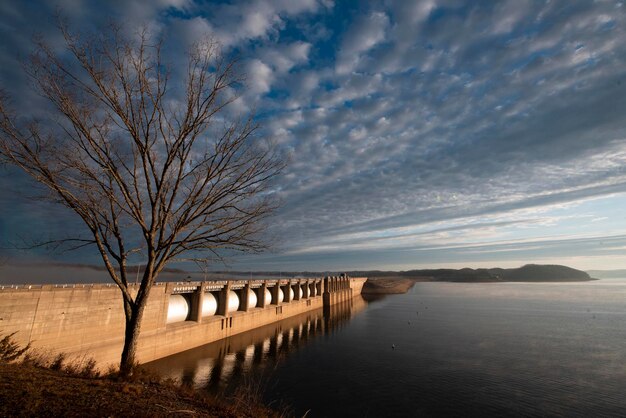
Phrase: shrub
{"type": "Point", "coordinates": [57, 363]}
{"type": "Point", "coordinates": [89, 369]}
{"type": "Point", "coordinates": [10, 350]}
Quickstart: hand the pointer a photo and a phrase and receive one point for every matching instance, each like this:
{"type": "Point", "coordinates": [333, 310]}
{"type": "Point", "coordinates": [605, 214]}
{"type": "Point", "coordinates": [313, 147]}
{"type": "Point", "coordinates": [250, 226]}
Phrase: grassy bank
{"type": "Point", "coordinates": [27, 391]}
{"type": "Point", "coordinates": [54, 388]}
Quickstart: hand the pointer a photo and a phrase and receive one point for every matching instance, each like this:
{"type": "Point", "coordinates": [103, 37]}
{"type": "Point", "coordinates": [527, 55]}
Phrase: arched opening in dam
{"type": "Point", "coordinates": [209, 304]}
{"type": "Point", "coordinates": [178, 308]}
{"type": "Point", "coordinates": [280, 296]}
{"type": "Point", "coordinates": [233, 302]}
{"type": "Point", "coordinates": [263, 294]}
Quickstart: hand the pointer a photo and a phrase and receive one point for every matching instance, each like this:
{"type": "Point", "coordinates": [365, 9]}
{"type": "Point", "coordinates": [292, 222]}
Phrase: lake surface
{"type": "Point", "coordinates": [524, 349]}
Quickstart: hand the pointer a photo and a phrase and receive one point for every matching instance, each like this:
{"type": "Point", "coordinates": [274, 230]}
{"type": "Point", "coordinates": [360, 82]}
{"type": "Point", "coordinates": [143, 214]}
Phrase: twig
{"type": "Point", "coordinates": [175, 411]}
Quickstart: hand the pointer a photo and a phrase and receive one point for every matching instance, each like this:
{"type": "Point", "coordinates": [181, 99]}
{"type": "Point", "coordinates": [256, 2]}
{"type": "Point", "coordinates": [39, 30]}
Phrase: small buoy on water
{"type": "Point", "coordinates": [393, 346]}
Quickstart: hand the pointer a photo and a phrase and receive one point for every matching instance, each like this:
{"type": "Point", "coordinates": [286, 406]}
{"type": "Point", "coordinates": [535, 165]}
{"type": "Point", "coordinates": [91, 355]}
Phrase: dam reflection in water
{"type": "Point", "coordinates": [224, 364]}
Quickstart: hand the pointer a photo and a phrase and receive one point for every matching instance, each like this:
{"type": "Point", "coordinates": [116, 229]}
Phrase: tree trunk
{"type": "Point", "coordinates": [131, 337]}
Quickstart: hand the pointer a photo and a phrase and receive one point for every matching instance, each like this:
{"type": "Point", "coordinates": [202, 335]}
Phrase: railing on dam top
{"type": "Point", "coordinates": [237, 283]}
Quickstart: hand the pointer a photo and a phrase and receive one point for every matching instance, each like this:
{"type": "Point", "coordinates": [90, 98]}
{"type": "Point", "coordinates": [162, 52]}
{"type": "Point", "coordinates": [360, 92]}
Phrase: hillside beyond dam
{"type": "Point", "coordinates": [87, 320]}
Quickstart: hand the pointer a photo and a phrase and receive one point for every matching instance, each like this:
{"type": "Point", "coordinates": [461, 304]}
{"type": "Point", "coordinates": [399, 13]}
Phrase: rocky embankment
{"type": "Point", "coordinates": [387, 285]}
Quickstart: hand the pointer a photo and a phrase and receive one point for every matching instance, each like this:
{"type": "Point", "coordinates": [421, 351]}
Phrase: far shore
{"type": "Point", "coordinates": [391, 285]}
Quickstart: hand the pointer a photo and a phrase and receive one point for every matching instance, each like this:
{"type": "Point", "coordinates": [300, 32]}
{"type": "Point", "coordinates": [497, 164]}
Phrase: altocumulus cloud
{"type": "Point", "coordinates": [421, 133]}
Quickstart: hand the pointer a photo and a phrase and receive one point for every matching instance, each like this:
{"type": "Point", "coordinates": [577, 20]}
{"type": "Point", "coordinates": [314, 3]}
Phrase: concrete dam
{"type": "Point", "coordinates": [87, 320]}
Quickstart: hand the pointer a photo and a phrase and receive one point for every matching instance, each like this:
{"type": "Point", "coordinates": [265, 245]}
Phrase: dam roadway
{"type": "Point", "coordinates": [87, 320]}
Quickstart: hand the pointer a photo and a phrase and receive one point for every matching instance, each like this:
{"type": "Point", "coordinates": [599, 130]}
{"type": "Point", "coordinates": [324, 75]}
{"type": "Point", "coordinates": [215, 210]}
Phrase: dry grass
{"type": "Point", "coordinates": [9, 349]}
{"type": "Point", "coordinates": [38, 385]}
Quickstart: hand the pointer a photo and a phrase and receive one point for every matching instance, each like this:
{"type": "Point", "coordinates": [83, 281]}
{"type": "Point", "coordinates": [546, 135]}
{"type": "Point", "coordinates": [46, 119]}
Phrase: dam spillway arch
{"type": "Point", "coordinates": [177, 309]}
{"type": "Point", "coordinates": [209, 305]}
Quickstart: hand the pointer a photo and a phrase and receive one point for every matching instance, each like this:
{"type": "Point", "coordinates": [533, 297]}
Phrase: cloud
{"type": "Point", "coordinates": [508, 15]}
{"type": "Point", "coordinates": [258, 76]}
{"type": "Point", "coordinates": [237, 23]}
{"type": "Point", "coordinates": [364, 34]}
{"type": "Point", "coordinates": [405, 117]}
{"type": "Point", "coordinates": [284, 57]}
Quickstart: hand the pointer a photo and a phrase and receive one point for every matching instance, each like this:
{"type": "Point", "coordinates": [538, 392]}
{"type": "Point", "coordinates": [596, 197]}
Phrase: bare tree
{"type": "Point", "coordinates": [149, 163]}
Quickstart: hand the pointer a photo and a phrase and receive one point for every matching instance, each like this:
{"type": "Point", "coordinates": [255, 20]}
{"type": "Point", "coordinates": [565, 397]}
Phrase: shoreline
{"type": "Point", "coordinates": [395, 285]}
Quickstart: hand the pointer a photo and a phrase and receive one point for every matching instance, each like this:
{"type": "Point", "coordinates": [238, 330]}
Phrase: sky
{"type": "Point", "coordinates": [422, 134]}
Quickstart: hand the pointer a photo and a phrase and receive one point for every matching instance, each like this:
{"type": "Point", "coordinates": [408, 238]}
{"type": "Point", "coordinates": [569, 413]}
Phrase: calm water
{"type": "Point", "coordinates": [460, 349]}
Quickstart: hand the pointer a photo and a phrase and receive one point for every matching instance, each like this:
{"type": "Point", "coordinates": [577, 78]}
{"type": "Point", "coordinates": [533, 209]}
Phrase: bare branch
{"type": "Point", "coordinates": [153, 166]}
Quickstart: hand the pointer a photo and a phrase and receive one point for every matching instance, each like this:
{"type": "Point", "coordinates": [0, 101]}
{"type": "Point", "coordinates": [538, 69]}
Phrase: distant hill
{"type": "Point", "coordinates": [543, 273]}
{"type": "Point", "coordinates": [527, 273]}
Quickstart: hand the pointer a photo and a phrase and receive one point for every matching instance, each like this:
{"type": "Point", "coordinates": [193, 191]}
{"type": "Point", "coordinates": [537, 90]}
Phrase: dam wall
{"type": "Point", "coordinates": [87, 320]}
